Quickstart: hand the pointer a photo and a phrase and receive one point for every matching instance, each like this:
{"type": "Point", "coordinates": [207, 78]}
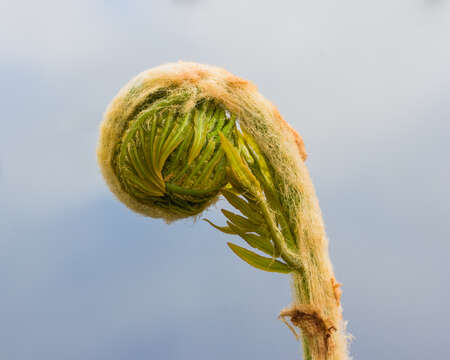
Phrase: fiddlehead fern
{"type": "Point", "coordinates": [177, 136]}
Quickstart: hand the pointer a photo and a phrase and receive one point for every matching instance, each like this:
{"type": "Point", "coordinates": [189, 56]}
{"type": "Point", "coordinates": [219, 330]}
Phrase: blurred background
{"type": "Point", "coordinates": [367, 85]}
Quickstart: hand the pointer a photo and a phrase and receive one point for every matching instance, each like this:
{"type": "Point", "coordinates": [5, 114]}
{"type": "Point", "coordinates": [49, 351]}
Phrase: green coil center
{"type": "Point", "coordinates": [173, 159]}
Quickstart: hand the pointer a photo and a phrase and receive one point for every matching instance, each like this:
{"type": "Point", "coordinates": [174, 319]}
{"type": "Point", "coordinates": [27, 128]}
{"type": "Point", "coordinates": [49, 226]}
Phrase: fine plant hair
{"type": "Point", "coordinates": [179, 135]}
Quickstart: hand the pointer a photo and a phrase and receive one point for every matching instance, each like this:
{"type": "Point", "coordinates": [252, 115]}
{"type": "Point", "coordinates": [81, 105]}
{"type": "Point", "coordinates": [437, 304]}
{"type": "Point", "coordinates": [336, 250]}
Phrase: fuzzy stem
{"type": "Point", "coordinates": [315, 291]}
{"type": "Point", "coordinates": [299, 294]}
{"type": "Point", "coordinates": [316, 310]}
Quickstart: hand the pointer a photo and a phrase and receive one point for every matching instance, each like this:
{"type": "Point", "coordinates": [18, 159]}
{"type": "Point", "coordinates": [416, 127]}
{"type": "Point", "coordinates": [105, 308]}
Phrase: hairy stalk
{"type": "Point", "coordinates": [316, 309]}
{"type": "Point", "coordinates": [178, 136]}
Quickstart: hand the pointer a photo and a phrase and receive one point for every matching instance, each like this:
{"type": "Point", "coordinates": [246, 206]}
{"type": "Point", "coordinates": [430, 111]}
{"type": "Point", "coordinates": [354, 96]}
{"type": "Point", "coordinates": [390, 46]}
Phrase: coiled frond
{"type": "Point", "coordinates": [173, 159]}
{"type": "Point", "coordinates": [177, 136]}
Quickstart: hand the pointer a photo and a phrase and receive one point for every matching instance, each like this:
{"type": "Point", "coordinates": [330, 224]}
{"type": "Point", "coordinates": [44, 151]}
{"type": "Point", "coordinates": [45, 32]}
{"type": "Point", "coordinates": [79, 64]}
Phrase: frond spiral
{"type": "Point", "coordinates": [178, 135]}
{"type": "Point", "coordinates": [172, 159]}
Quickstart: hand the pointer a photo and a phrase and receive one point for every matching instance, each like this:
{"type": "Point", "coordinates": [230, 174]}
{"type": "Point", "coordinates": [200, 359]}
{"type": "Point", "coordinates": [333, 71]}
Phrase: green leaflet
{"type": "Point", "coordinates": [246, 208]}
{"type": "Point", "coordinates": [238, 230]}
{"type": "Point", "coordinates": [241, 221]}
{"type": "Point", "coordinates": [202, 116]}
{"type": "Point", "coordinates": [260, 262]}
{"type": "Point", "coordinates": [238, 168]}
{"type": "Point", "coordinates": [256, 158]}
{"type": "Point", "coordinates": [224, 229]}
{"type": "Point", "coordinates": [235, 185]}
{"type": "Point", "coordinates": [260, 243]}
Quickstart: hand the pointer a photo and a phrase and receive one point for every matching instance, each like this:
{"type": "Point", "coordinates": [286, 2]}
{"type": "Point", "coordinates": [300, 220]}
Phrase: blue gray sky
{"type": "Point", "coordinates": [367, 84]}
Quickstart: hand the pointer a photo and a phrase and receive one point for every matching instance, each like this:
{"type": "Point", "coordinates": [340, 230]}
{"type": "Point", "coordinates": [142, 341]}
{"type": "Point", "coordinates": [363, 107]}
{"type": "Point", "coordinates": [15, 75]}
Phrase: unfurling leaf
{"type": "Point", "coordinates": [261, 230]}
{"type": "Point", "coordinates": [244, 224]}
{"type": "Point", "coordinates": [260, 243]}
{"type": "Point", "coordinates": [238, 167]}
{"type": "Point", "coordinates": [201, 120]}
{"type": "Point", "coordinates": [224, 229]}
{"type": "Point", "coordinates": [260, 262]}
{"type": "Point", "coordinates": [246, 208]}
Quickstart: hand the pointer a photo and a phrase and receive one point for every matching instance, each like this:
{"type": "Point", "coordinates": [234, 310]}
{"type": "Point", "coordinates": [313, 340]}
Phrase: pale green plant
{"type": "Point", "coordinates": [178, 136]}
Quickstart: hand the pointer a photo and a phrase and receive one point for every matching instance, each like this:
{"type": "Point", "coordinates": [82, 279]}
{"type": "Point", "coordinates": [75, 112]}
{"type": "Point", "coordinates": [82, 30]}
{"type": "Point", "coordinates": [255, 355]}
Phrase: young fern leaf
{"type": "Point", "coordinates": [260, 262]}
{"type": "Point", "coordinates": [200, 131]}
{"type": "Point", "coordinates": [224, 229]}
{"type": "Point", "coordinates": [236, 186]}
{"type": "Point", "coordinates": [258, 242]}
{"type": "Point", "coordinates": [241, 221]}
{"type": "Point", "coordinates": [247, 208]}
{"type": "Point", "coordinates": [261, 243]}
{"type": "Point", "coordinates": [239, 169]}
{"type": "Point", "coordinates": [240, 224]}
{"type": "Point", "coordinates": [261, 230]}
